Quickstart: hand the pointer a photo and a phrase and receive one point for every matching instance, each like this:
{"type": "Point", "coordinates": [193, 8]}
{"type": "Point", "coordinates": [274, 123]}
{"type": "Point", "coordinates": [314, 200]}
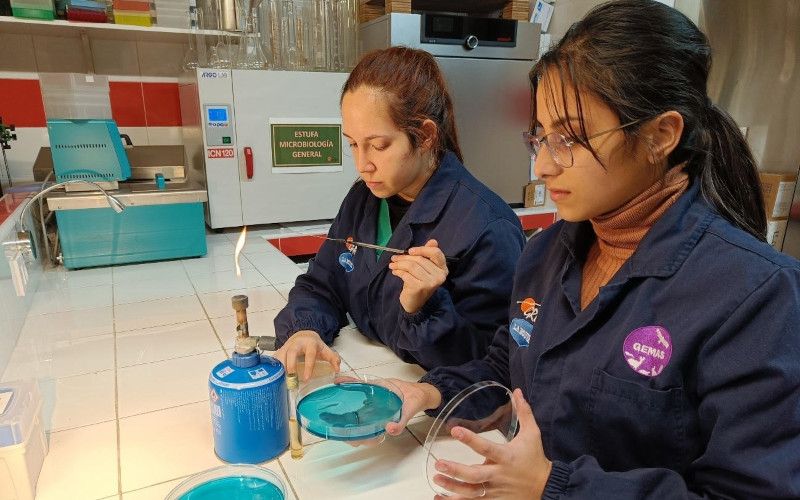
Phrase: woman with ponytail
{"type": "Point", "coordinates": [415, 194]}
{"type": "Point", "coordinates": [653, 340]}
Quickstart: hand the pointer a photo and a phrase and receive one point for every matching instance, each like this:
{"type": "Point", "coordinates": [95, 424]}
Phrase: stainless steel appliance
{"type": "Point", "coordinates": [485, 63]}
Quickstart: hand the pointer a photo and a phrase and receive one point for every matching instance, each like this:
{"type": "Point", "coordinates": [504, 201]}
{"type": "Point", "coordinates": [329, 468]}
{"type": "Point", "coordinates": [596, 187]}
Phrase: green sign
{"type": "Point", "coordinates": [298, 145]}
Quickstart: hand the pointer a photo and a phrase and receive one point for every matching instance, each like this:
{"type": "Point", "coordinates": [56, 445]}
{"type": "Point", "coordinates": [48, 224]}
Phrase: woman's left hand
{"type": "Point", "coordinates": [517, 469]}
{"type": "Point", "coordinates": [422, 270]}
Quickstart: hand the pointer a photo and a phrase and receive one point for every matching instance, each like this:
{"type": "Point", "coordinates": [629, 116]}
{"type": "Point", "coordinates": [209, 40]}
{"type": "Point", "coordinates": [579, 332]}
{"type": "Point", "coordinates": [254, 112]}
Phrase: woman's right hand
{"type": "Point", "coordinates": [309, 344]}
{"type": "Point", "coordinates": [417, 397]}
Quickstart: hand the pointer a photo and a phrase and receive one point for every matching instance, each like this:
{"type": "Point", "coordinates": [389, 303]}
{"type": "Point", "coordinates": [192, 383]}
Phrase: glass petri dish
{"type": "Point", "coordinates": [231, 482]}
{"type": "Point", "coordinates": [347, 406]}
{"type": "Point", "coordinates": [485, 408]}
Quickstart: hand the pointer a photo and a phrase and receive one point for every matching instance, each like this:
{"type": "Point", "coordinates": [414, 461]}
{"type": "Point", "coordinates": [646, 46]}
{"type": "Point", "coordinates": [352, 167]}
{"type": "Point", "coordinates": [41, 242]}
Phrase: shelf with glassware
{"type": "Point", "coordinates": [73, 29]}
{"type": "Point", "coordinates": [294, 35]}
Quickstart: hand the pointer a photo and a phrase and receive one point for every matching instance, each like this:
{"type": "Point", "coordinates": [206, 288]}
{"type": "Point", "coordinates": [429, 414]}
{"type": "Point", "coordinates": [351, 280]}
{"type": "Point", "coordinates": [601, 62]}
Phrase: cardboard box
{"type": "Point", "coordinates": [776, 231]}
{"type": "Point", "coordinates": [535, 193]}
{"type": "Point", "coordinates": [778, 190]}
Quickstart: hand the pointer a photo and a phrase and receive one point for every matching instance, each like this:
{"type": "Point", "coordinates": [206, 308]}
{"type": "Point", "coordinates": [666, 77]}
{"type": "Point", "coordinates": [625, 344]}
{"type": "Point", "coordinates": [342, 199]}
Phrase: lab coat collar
{"type": "Point", "coordinates": [666, 245]}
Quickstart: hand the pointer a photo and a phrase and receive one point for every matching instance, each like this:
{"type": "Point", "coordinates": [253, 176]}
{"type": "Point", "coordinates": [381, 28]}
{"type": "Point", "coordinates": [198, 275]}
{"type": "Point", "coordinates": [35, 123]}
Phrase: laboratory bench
{"type": "Point", "coordinates": [122, 356]}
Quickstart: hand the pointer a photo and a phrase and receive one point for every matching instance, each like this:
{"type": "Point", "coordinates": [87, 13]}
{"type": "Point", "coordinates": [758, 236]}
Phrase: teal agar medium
{"type": "Point", "coordinates": [235, 488]}
{"type": "Point", "coordinates": [349, 411]}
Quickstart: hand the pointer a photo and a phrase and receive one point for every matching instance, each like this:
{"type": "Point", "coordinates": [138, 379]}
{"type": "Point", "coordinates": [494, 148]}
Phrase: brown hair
{"type": "Point", "coordinates": [415, 91]}
{"type": "Point", "coordinates": [642, 58]}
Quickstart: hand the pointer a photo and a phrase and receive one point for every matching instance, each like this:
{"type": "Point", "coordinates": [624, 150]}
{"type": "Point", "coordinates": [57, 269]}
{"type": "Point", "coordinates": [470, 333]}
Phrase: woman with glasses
{"type": "Point", "coordinates": [440, 302]}
{"type": "Point", "coordinates": [653, 341]}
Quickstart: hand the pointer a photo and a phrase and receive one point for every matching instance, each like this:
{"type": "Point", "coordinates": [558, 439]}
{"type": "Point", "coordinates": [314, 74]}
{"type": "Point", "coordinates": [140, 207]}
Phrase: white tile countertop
{"type": "Point", "coordinates": [122, 355]}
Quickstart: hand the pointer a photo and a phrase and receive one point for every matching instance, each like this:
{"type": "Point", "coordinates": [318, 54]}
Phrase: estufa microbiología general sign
{"type": "Point", "coordinates": [301, 145]}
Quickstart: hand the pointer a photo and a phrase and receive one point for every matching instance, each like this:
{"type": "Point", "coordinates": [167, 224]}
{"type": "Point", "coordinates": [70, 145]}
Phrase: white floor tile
{"type": "Point", "coordinates": [165, 384]}
{"type": "Point", "coordinates": [170, 311]}
{"type": "Point", "coordinates": [281, 273]}
{"type": "Point", "coordinates": [67, 325]}
{"type": "Point", "coordinates": [419, 426]}
{"type": "Point", "coordinates": [263, 298]}
{"type": "Point", "coordinates": [60, 278]}
{"type": "Point", "coordinates": [284, 289]}
{"type": "Point", "coordinates": [62, 359]}
{"type": "Point", "coordinates": [78, 401]}
{"type": "Point", "coordinates": [361, 352]}
{"type": "Point", "coordinates": [334, 470]}
{"type": "Point", "coordinates": [397, 369]}
{"type": "Point", "coordinates": [157, 492]}
{"type": "Point", "coordinates": [214, 264]}
{"type": "Point", "coordinates": [153, 289]}
{"type": "Point", "coordinates": [71, 299]}
{"type": "Point", "coordinates": [132, 274]}
{"type": "Point", "coordinates": [227, 280]}
{"type": "Point", "coordinates": [81, 463]}
{"type": "Point", "coordinates": [220, 247]}
{"type": "Point", "coordinates": [166, 445]}
{"type": "Point", "coordinates": [136, 347]}
{"type": "Point", "coordinates": [270, 259]}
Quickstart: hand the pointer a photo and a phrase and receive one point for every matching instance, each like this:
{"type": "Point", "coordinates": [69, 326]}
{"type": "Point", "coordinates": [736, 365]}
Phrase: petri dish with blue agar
{"type": "Point", "coordinates": [485, 408]}
{"type": "Point", "coordinates": [348, 407]}
{"type": "Point", "coordinates": [231, 482]}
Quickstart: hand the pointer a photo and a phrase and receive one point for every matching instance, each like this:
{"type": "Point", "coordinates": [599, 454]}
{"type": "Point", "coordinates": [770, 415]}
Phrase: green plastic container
{"type": "Point", "coordinates": [33, 12]}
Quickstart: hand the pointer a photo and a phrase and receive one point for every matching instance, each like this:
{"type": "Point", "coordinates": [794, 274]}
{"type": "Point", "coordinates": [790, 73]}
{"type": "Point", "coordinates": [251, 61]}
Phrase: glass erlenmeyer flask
{"type": "Point", "coordinates": [250, 55]}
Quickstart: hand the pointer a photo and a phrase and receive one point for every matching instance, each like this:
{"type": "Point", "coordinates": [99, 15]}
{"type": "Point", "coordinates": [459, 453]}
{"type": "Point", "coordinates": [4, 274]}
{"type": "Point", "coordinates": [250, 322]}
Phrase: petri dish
{"type": "Point", "coordinates": [347, 406]}
{"type": "Point", "coordinates": [231, 482]}
{"type": "Point", "coordinates": [485, 408]}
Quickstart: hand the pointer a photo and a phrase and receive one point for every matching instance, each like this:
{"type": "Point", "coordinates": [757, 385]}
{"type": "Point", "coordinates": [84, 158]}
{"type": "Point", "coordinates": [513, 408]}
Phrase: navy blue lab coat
{"type": "Point", "coordinates": [457, 323]}
{"type": "Point", "coordinates": [681, 379]}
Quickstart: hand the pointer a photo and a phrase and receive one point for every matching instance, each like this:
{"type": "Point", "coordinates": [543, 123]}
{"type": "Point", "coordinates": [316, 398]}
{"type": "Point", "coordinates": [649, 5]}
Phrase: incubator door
{"type": "Point", "coordinates": [304, 174]}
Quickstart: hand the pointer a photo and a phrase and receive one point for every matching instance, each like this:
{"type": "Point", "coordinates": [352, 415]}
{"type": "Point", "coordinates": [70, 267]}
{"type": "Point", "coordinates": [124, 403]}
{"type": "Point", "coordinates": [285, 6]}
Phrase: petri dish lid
{"type": "Point", "coordinates": [485, 408]}
{"type": "Point", "coordinates": [347, 406]}
{"type": "Point", "coordinates": [231, 482]}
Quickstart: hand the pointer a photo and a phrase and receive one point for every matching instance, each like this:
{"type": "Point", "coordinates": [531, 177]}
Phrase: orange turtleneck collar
{"type": "Point", "coordinates": [619, 232]}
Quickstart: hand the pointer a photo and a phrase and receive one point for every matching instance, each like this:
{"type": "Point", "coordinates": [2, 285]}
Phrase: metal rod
{"type": "Point", "coordinates": [380, 247]}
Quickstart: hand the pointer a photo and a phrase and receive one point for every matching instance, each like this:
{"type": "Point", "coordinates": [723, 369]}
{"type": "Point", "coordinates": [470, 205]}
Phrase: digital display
{"type": "Point", "coordinates": [226, 140]}
{"type": "Point", "coordinates": [444, 25]}
{"type": "Point", "coordinates": [217, 114]}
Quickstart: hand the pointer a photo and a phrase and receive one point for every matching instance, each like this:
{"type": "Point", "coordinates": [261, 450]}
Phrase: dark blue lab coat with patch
{"type": "Point", "coordinates": [722, 420]}
{"type": "Point", "coordinates": [457, 323]}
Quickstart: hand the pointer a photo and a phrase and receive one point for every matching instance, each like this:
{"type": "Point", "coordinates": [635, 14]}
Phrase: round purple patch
{"type": "Point", "coordinates": [648, 349]}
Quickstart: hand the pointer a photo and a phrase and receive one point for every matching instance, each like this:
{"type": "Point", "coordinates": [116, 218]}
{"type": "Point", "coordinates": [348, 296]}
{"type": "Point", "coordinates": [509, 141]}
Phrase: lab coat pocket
{"type": "Point", "coordinates": [632, 425]}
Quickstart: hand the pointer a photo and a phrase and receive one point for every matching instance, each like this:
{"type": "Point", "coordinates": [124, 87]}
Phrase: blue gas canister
{"type": "Point", "coordinates": [249, 408]}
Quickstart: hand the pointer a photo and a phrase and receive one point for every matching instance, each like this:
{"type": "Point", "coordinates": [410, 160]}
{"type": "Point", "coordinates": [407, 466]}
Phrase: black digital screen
{"type": "Point", "coordinates": [449, 29]}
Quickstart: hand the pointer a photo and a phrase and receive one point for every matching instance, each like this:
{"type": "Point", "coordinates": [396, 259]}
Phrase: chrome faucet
{"type": "Point", "coordinates": [23, 243]}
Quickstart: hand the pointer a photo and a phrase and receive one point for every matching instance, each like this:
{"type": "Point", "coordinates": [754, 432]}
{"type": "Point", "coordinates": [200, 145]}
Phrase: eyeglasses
{"type": "Point", "coordinates": [560, 147]}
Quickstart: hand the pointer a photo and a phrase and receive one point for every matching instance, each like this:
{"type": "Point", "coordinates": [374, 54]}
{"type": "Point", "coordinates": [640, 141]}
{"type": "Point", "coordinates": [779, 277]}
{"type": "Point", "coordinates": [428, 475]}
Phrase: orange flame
{"type": "Point", "coordinates": [239, 246]}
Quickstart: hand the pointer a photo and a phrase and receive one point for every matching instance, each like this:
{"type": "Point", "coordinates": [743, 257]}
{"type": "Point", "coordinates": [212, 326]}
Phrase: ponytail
{"type": "Point", "coordinates": [728, 174]}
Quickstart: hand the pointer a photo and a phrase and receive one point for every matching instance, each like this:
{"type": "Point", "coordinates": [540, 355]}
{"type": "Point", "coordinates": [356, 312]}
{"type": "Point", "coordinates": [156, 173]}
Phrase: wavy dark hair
{"type": "Point", "coordinates": [415, 91]}
{"type": "Point", "coordinates": [642, 58]}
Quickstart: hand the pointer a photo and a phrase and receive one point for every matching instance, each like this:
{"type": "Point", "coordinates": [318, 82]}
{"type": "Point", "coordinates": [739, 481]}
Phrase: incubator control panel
{"type": "Point", "coordinates": [217, 123]}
